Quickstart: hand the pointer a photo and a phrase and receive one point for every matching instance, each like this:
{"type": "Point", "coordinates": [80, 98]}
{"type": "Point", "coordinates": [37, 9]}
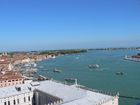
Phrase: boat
{"type": "Point", "coordinates": [57, 71]}
{"type": "Point", "coordinates": [41, 78]}
{"type": "Point", "coordinates": [53, 57]}
{"type": "Point", "coordinates": [30, 64]}
{"type": "Point", "coordinates": [119, 73]}
{"type": "Point", "coordinates": [71, 80]}
{"type": "Point", "coordinates": [94, 66]}
{"type": "Point", "coordinates": [34, 64]}
{"type": "Point", "coordinates": [131, 58]}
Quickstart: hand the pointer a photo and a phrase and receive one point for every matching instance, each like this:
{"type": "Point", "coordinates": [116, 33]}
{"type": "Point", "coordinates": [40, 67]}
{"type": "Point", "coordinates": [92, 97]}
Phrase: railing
{"type": "Point", "coordinates": [64, 83]}
{"type": "Point", "coordinates": [114, 94]}
{"type": "Point", "coordinates": [99, 91]}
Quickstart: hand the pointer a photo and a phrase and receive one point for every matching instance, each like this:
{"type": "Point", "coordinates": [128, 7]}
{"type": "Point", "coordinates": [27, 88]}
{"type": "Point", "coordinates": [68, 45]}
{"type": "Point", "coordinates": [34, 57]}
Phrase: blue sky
{"type": "Point", "coordinates": [60, 24]}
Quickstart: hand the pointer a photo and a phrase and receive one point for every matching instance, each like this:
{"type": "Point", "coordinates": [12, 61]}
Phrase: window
{"type": "Point", "coordinates": [24, 99]}
{"type": "Point", "coordinates": [8, 102]}
{"type": "Point", "coordinates": [18, 101]}
{"type": "Point", "coordinates": [5, 103]}
{"type": "Point", "coordinates": [14, 102]}
{"type": "Point", "coordinates": [28, 98]}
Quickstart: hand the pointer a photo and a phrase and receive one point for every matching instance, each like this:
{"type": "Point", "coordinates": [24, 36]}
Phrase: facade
{"type": "Point", "coordinates": [19, 95]}
{"type": "Point", "coordinates": [53, 93]}
{"type": "Point", "coordinates": [10, 78]}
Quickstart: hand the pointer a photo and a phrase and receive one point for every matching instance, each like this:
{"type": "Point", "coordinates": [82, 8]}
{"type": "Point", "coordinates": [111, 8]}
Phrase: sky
{"type": "Point", "coordinates": [68, 24]}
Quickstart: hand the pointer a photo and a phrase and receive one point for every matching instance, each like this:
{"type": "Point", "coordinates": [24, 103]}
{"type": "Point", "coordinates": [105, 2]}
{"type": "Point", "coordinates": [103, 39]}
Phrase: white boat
{"type": "Point", "coordinates": [119, 73]}
{"type": "Point", "coordinates": [57, 71]}
{"type": "Point", "coordinates": [131, 58]}
{"type": "Point", "coordinates": [34, 64]}
{"type": "Point", "coordinates": [42, 77]}
{"type": "Point", "coordinates": [30, 64]}
{"type": "Point", "coordinates": [94, 66]}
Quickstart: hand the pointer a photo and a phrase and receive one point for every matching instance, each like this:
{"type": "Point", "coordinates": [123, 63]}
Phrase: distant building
{"type": "Point", "coordinates": [10, 78]}
{"type": "Point", "coordinates": [5, 63]}
{"type": "Point", "coordinates": [4, 54]}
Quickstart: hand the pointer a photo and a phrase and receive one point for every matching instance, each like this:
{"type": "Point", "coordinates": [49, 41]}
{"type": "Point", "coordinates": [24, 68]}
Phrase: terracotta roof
{"type": "Point", "coordinates": [8, 75]}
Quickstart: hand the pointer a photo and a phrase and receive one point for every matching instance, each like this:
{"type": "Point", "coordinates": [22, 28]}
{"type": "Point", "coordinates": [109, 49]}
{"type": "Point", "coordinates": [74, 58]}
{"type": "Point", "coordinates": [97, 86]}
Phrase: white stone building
{"type": "Point", "coordinates": [16, 95]}
{"type": "Point", "coordinates": [53, 93]}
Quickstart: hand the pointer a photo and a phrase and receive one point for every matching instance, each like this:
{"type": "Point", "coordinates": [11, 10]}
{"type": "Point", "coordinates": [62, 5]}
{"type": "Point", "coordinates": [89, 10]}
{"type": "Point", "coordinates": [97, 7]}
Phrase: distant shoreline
{"type": "Point", "coordinates": [69, 51]}
{"type": "Point", "coordinates": [121, 48]}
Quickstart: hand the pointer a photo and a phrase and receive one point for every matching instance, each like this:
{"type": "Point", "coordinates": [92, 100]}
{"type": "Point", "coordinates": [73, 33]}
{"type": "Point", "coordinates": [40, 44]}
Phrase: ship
{"type": "Point", "coordinates": [94, 66]}
{"type": "Point", "coordinates": [57, 71]}
{"type": "Point", "coordinates": [132, 58]}
{"type": "Point", "coordinates": [119, 73]}
{"type": "Point", "coordinates": [70, 80]}
{"type": "Point", "coordinates": [41, 78]}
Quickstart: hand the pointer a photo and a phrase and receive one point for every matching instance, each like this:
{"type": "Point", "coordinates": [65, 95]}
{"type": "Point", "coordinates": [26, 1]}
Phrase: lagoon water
{"type": "Point", "coordinates": [103, 78]}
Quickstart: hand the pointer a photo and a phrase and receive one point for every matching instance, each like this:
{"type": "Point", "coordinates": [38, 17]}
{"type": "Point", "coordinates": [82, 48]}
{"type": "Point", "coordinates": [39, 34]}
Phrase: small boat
{"type": "Point", "coordinates": [57, 71]}
{"type": "Point", "coordinates": [71, 80]}
{"type": "Point", "coordinates": [30, 64]}
{"type": "Point", "coordinates": [119, 73]}
{"type": "Point", "coordinates": [132, 58]}
{"type": "Point", "coordinates": [94, 66]}
{"type": "Point", "coordinates": [34, 64]}
{"type": "Point", "coordinates": [41, 78]}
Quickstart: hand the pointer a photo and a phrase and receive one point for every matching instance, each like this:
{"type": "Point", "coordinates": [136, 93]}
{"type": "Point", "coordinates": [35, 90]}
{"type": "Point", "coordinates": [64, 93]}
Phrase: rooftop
{"type": "Point", "coordinates": [71, 94]}
{"type": "Point", "coordinates": [8, 75]}
{"type": "Point", "coordinates": [13, 90]}
{"type": "Point", "coordinates": [65, 92]}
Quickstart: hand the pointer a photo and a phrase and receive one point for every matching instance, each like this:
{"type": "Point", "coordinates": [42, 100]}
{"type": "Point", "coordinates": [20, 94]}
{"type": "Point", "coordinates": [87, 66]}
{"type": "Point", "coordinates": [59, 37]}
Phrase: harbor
{"type": "Point", "coordinates": [93, 69]}
{"type": "Point", "coordinates": [60, 69]}
{"type": "Point", "coordinates": [114, 74]}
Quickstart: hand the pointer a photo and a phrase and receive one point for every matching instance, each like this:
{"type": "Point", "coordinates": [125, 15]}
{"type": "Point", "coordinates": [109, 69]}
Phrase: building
{"type": "Point", "coordinates": [16, 95]}
{"type": "Point", "coordinates": [5, 63]}
{"type": "Point", "coordinates": [54, 93]}
{"type": "Point", "coordinates": [10, 78]}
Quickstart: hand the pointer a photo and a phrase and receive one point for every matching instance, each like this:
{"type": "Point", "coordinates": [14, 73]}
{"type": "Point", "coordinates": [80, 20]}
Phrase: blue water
{"type": "Point", "coordinates": [103, 78]}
